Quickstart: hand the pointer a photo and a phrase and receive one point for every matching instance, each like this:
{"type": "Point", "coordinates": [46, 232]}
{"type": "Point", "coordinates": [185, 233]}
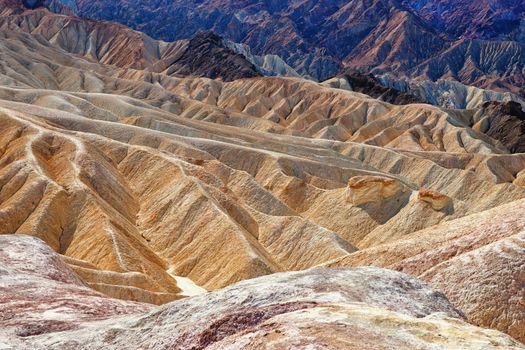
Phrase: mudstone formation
{"type": "Point", "coordinates": [170, 195]}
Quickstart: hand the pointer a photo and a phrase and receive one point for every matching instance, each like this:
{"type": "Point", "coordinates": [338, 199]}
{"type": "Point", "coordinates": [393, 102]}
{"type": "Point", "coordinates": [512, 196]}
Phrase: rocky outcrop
{"type": "Point", "coordinates": [504, 122]}
{"type": "Point", "coordinates": [371, 86]}
{"type": "Point", "coordinates": [477, 261]}
{"type": "Point", "coordinates": [206, 56]}
{"type": "Point", "coordinates": [370, 189]}
{"type": "Point", "coordinates": [40, 295]}
{"type": "Point", "coordinates": [373, 329]}
{"type": "Point", "coordinates": [436, 200]}
{"type": "Point", "coordinates": [269, 65]}
{"type": "Point", "coordinates": [45, 306]}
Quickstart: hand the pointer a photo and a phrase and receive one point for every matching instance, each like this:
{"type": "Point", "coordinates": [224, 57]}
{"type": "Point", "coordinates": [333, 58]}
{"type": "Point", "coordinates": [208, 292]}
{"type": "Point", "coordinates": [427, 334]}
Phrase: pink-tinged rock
{"type": "Point", "coordinates": [39, 294]}
{"type": "Point", "coordinates": [45, 306]}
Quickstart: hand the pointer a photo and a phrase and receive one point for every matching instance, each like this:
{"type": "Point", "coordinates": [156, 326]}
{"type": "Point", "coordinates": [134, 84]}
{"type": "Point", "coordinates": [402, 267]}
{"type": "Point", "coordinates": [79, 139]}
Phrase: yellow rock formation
{"type": "Point", "coordinates": [154, 187]}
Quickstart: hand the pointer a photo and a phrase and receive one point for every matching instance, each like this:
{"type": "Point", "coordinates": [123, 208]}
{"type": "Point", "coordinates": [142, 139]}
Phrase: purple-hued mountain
{"type": "Point", "coordinates": [483, 19]}
{"type": "Point", "coordinates": [480, 43]}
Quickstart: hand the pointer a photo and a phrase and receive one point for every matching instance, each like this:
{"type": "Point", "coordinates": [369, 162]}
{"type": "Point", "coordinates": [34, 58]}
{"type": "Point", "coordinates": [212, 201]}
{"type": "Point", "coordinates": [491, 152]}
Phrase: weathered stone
{"type": "Point", "coordinates": [369, 189]}
{"type": "Point", "coordinates": [44, 306]}
{"type": "Point", "coordinates": [437, 201]}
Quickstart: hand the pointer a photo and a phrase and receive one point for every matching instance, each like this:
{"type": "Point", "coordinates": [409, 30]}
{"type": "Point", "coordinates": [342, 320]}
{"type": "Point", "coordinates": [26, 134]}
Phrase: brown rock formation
{"type": "Point", "coordinates": [370, 189]}
{"type": "Point", "coordinates": [436, 200]}
{"type": "Point", "coordinates": [157, 187]}
{"type": "Point", "coordinates": [81, 165]}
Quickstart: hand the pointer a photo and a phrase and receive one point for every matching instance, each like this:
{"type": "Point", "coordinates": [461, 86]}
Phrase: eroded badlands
{"type": "Point", "coordinates": [152, 187]}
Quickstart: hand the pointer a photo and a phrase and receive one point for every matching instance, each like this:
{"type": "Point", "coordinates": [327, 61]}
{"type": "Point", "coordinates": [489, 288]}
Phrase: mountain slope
{"type": "Point", "coordinates": [484, 19]}
{"type": "Point", "coordinates": [477, 261]}
{"type": "Point", "coordinates": [111, 43]}
{"type": "Point", "coordinates": [373, 87]}
{"type": "Point", "coordinates": [154, 187]}
{"type": "Point", "coordinates": [449, 94]}
{"type": "Point", "coordinates": [48, 308]}
{"type": "Point", "coordinates": [318, 38]}
{"type": "Point", "coordinates": [312, 36]}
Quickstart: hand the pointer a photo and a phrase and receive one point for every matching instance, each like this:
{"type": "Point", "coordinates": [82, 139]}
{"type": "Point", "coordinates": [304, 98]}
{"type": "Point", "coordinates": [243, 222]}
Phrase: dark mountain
{"type": "Point", "coordinates": [369, 85]}
{"type": "Point", "coordinates": [205, 56]}
{"type": "Point", "coordinates": [504, 121]}
{"type": "Point", "coordinates": [10, 7]}
{"type": "Point", "coordinates": [32, 4]}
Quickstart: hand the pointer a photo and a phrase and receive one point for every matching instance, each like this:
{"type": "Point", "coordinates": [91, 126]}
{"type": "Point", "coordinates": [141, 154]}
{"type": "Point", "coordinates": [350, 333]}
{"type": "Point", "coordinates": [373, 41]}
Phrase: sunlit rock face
{"type": "Point", "coordinates": [45, 306]}
{"type": "Point", "coordinates": [436, 200]}
{"type": "Point", "coordinates": [156, 183]}
{"type": "Point", "coordinates": [477, 261]}
{"type": "Point", "coordinates": [372, 189]}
